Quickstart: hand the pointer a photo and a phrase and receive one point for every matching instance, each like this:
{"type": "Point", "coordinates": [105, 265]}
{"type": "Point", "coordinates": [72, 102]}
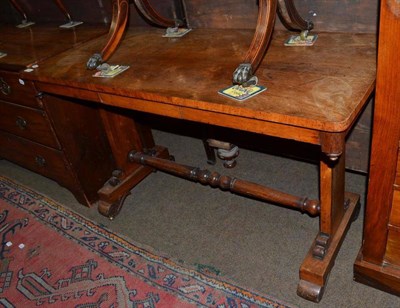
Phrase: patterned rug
{"type": "Point", "coordinates": [53, 257]}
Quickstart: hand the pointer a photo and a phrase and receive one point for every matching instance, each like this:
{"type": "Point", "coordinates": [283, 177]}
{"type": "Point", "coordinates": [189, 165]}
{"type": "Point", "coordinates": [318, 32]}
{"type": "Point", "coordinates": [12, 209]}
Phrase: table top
{"type": "Point", "coordinates": [27, 46]}
{"type": "Point", "coordinates": [323, 87]}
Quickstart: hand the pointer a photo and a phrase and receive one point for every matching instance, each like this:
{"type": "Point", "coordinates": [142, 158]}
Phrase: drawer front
{"type": "Point", "coordinates": [40, 159]}
{"type": "Point", "coordinates": [397, 180]}
{"type": "Point", "coordinates": [395, 211]}
{"type": "Point", "coordinates": [392, 255]}
{"type": "Point", "coordinates": [32, 124]}
{"type": "Point", "coordinates": [14, 89]}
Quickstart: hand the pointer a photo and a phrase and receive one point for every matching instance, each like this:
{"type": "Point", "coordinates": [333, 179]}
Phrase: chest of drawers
{"type": "Point", "coordinates": [378, 263]}
{"type": "Point", "coordinates": [65, 142]}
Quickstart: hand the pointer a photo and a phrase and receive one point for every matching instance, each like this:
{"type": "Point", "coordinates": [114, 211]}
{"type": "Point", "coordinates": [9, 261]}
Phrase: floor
{"type": "Point", "coordinates": [254, 244]}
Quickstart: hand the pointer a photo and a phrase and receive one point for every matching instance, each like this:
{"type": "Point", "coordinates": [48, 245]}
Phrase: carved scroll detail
{"type": "Point", "coordinates": [321, 245]}
{"type": "Point", "coordinates": [111, 210]}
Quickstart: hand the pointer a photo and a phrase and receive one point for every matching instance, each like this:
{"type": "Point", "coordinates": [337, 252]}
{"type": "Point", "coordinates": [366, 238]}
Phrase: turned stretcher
{"type": "Point", "coordinates": [244, 73]}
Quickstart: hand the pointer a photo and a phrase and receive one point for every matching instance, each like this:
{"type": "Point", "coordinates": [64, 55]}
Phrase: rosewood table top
{"type": "Point", "coordinates": [323, 87]}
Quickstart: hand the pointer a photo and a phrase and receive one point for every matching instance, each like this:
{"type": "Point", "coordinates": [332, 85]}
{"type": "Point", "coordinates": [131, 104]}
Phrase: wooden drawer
{"type": "Point", "coordinates": [395, 211]}
{"type": "Point", "coordinates": [38, 158]}
{"type": "Point", "coordinates": [14, 89]}
{"type": "Point", "coordinates": [397, 180]}
{"type": "Point", "coordinates": [393, 247]}
{"type": "Point", "coordinates": [32, 124]}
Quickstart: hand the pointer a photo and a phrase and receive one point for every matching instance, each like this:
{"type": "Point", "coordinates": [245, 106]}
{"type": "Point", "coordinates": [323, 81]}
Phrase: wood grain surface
{"type": "Point", "coordinates": [41, 42]}
{"type": "Point", "coordinates": [323, 87]}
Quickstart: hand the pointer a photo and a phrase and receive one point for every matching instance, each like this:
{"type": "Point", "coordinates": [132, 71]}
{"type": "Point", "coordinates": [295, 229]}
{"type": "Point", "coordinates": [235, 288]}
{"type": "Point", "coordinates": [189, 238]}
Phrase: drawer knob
{"type": "Point", "coordinates": [39, 95]}
{"type": "Point", "coordinates": [21, 123]}
{"type": "Point", "coordinates": [40, 161]}
{"type": "Point", "coordinates": [4, 87]}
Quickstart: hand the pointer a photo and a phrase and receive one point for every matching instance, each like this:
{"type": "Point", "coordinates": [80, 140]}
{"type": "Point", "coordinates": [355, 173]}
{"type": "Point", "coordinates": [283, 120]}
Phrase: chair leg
{"type": "Point", "coordinates": [268, 9]}
{"type": "Point", "coordinates": [152, 15]}
{"type": "Point", "coordinates": [291, 18]}
{"type": "Point", "coordinates": [243, 74]}
{"type": "Point", "coordinates": [118, 25]}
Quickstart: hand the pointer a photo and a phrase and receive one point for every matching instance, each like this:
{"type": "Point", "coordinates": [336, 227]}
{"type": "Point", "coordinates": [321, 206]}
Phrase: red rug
{"type": "Point", "coordinates": [53, 257]}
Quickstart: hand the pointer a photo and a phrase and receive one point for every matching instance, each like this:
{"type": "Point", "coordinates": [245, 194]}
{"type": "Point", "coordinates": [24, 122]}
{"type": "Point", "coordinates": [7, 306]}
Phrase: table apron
{"type": "Point", "coordinates": [274, 129]}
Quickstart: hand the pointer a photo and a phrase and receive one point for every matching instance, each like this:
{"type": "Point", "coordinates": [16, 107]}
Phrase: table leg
{"type": "Point", "coordinates": [124, 135]}
{"type": "Point", "coordinates": [338, 210]}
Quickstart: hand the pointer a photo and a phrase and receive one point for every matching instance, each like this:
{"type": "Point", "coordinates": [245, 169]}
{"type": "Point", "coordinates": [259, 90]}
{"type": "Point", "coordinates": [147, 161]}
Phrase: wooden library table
{"type": "Point", "coordinates": [314, 95]}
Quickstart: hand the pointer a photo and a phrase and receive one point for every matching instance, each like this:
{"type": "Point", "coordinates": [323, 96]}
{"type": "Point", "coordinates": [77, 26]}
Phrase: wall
{"type": "Point", "coordinates": [46, 11]}
{"type": "Point", "coordinates": [332, 15]}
